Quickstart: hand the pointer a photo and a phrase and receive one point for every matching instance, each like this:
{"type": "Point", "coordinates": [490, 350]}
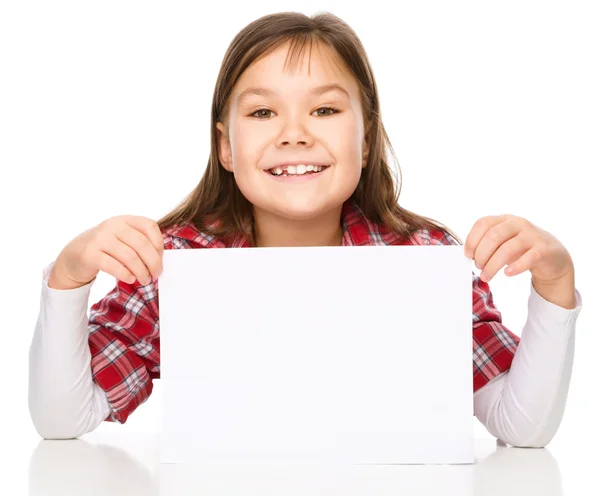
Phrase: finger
{"type": "Point", "coordinates": [126, 255]}
{"type": "Point", "coordinates": [478, 231]}
{"type": "Point", "coordinates": [528, 261]}
{"type": "Point", "coordinates": [492, 240]}
{"type": "Point", "coordinates": [143, 247]}
{"type": "Point", "coordinates": [507, 253]}
{"type": "Point", "coordinates": [149, 228]}
{"type": "Point", "coordinates": [115, 268]}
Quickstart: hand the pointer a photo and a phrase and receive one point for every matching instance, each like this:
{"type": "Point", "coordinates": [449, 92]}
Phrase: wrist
{"type": "Point", "coordinates": [56, 280]}
{"type": "Point", "coordinates": [560, 291]}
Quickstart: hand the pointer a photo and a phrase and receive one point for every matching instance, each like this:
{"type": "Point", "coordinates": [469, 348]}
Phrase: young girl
{"type": "Point", "coordinates": [298, 158]}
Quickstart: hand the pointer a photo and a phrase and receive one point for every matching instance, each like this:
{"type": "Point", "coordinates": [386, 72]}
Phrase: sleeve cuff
{"type": "Point", "coordinates": [63, 294]}
{"type": "Point", "coordinates": [541, 305]}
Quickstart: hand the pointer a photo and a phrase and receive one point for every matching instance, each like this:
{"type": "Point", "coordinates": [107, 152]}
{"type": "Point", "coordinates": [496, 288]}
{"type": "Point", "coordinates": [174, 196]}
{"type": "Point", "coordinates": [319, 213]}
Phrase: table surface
{"type": "Point", "coordinates": [116, 461]}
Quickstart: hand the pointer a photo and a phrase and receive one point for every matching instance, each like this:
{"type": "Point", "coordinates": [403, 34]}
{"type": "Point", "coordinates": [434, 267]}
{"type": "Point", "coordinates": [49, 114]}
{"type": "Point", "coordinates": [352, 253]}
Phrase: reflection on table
{"type": "Point", "coordinates": [80, 466]}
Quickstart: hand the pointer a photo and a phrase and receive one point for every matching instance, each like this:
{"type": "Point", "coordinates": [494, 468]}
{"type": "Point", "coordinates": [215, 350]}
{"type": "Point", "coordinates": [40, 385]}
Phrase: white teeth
{"type": "Point", "coordinates": [297, 169]}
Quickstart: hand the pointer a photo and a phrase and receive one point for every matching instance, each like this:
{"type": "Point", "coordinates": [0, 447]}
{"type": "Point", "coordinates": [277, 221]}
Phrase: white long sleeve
{"type": "Point", "coordinates": [522, 407]}
{"type": "Point", "coordinates": [64, 402]}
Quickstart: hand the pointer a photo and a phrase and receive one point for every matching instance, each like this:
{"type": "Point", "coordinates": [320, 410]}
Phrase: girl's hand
{"type": "Point", "coordinates": [127, 247]}
{"type": "Point", "coordinates": [499, 240]}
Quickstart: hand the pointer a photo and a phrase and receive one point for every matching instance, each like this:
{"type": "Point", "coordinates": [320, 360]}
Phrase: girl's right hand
{"type": "Point", "coordinates": [127, 247]}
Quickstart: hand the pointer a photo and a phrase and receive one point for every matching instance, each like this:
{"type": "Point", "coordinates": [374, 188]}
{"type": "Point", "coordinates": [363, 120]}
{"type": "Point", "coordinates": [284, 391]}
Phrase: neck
{"type": "Point", "coordinates": [273, 230]}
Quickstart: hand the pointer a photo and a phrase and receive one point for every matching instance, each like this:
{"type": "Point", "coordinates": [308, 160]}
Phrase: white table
{"type": "Point", "coordinates": [117, 461]}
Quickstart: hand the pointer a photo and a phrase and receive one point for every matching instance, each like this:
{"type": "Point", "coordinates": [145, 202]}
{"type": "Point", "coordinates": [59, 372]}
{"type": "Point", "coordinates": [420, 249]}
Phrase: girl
{"type": "Point", "coordinates": [298, 158]}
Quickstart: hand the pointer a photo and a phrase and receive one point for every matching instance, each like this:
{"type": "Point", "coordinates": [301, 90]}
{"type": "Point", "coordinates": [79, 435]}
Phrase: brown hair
{"type": "Point", "coordinates": [217, 207]}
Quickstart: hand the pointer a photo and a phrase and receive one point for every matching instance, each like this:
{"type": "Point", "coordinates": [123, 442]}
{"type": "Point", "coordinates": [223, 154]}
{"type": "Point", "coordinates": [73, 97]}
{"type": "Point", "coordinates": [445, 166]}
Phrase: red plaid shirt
{"type": "Point", "coordinates": [124, 332]}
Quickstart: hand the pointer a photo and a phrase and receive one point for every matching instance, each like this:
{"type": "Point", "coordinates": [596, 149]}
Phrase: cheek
{"type": "Point", "coordinates": [247, 143]}
{"type": "Point", "coordinates": [346, 140]}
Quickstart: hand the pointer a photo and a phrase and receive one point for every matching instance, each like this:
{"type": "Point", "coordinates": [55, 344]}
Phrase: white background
{"type": "Point", "coordinates": [105, 110]}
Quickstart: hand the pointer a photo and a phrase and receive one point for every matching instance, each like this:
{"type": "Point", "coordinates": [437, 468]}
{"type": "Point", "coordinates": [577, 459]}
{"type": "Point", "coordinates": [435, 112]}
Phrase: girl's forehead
{"type": "Point", "coordinates": [305, 57]}
{"type": "Point", "coordinates": [319, 64]}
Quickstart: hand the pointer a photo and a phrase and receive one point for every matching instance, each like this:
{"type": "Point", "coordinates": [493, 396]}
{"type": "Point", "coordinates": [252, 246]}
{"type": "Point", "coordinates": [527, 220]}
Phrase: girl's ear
{"type": "Point", "coordinates": [365, 156]}
{"type": "Point", "coordinates": [224, 147]}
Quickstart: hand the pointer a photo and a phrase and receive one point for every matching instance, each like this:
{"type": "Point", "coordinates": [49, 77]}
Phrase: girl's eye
{"type": "Point", "coordinates": [262, 112]}
{"type": "Point", "coordinates": [333, 111]}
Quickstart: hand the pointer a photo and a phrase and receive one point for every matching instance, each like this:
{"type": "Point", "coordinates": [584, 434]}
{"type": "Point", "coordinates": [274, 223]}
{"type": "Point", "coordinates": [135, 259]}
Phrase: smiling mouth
{"type": "Point", "coordinates": [297, 170]}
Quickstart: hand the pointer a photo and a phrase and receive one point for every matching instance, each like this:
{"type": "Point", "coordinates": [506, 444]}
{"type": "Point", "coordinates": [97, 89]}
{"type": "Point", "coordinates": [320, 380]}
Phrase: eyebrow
{"type": "Point", "coordinates": [318, 90]}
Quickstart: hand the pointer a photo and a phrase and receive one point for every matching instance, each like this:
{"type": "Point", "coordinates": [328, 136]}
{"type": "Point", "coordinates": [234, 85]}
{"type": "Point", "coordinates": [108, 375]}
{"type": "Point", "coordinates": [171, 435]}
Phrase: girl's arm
{"type": "Point", "coordinates": [86, 370]}
{"type": "Point", "coordinates": [64, 402]}
{"type": "Point", "coordinates": [524, 406]}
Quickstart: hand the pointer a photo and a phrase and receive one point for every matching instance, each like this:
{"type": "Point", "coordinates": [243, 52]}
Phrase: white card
{"type": "Point", "coordinates": [351, 355]}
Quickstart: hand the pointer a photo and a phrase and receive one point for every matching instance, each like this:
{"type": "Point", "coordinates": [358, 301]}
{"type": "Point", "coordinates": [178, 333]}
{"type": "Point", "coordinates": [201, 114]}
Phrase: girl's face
{"type": "Point", "coordinates": [278, 116]}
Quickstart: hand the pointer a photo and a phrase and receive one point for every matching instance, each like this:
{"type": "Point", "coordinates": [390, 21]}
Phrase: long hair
{"type": "Point", "coordinates": [217, 207]}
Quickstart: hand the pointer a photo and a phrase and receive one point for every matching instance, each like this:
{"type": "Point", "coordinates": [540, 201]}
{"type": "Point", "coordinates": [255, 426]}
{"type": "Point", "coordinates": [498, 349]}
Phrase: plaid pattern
{"type": "Point", "coordinates": [124, 325]}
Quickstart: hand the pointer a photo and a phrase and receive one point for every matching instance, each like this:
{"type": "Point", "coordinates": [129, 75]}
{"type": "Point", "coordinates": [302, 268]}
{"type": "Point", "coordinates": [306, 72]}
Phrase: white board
{"type": "Point", "coordinates": [351, 355]}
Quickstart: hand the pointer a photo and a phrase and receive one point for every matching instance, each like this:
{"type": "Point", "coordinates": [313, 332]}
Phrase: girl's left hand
{"type": "Point", "coordinates": [498, 240]}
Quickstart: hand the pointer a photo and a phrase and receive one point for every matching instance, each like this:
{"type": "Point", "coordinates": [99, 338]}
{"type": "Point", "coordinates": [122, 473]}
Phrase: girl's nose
{"type": "Point", "coordinates": [294, 133]}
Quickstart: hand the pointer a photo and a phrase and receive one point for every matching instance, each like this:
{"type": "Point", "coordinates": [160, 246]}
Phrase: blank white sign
{"type": "Point", "coordinates": [352, 355]}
